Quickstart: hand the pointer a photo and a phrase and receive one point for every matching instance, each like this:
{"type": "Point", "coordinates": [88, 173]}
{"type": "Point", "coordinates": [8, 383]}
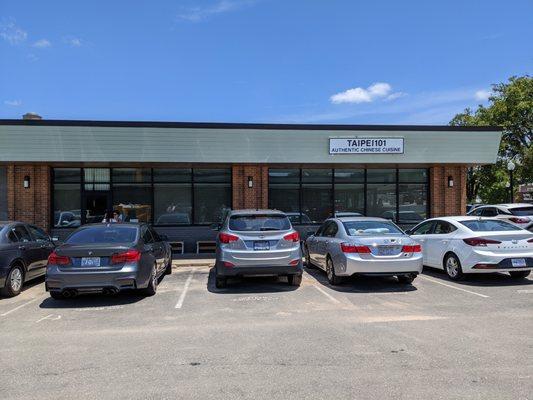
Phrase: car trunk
{"type": "Point", "coordinates": [384, 246]}
{"type": "Point", "coordinates": [510, 241]}
{"type": "Point", "coordinates": [260, 241]}
{"type": "Point", "coordinates": [102, 252]}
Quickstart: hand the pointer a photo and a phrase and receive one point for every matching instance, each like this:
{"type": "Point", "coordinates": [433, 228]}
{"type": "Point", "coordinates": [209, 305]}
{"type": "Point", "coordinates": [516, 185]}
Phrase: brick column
{"type": "Point", "coordinates": [257, 195]}
{"type": "Point", "coordinates": [446, 200]}
{"type": "Point", "coordinates": [31, 205]}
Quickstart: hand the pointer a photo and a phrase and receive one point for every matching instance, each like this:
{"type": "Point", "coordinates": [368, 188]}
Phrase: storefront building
{"type": "Point", "coordinates": [182, 177]}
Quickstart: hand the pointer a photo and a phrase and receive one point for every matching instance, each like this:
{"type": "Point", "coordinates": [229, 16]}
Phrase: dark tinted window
{"type": "Point", "coordinates": [217, 175]}
{"type": "Point", "coordinates": [104, 234]}
{"type": "Point", "coordinates": [147, 235]}
{"type": "Point", "coordinates": [134, 175]}
{"type": "Point", "coordinates": [38, 234]}
{"type": "Point", "coordinates": [522, 211]}
{"type": "Point", "coordinates": [316, 175]}
{"type": "Point", "coordinates": [371, 228]}
{"type": "Point", "coordinates": [155, 235]}
{"type": "Point", "coordinates": [22, 233]}
{"type": "Point", "coordinates": [279, 175]}
{"type": "Point", "coordinates": [331, 230]}
{"type": "Point", "coordinates": [67, 175]}
{"type": "Point", "coordinates": [443, 227]}
{"type": "Point", "coordinates": [489, 212]}
{"type": "Point", "coordinates": [255, 223]}
{"type": "Point", "coordinates": [423, 229]}
{"type": "Point", "coordinates": [381, 175]}
{"type": "Point", "coordinates": [176, 175]}
{"type": "Point", "coordinates": [489, 225]}
{"type": "Point", "coordinates": [413, 175]}
{"type": "Point", "coordinates": [349, 175]}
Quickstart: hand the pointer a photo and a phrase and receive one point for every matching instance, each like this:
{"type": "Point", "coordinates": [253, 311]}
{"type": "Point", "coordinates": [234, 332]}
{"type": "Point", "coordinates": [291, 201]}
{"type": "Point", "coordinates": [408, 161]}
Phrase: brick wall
{"type": "Point", "coordinates": [447, 200]}
{"type": "Point", "coordinates": [30, 205]}
{"type": "Point", "coordinates": [244, 196]}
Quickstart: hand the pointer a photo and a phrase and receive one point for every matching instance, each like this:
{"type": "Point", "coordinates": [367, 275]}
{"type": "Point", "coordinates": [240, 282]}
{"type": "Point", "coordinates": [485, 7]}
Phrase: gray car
{"type": "Point", "coordinates": [258, 242]}
{"type": "Point", "coordinates": [365, 246]}
{"type": "Point", "coordinates": [108, 258]}
{"type": "Point", "coordinates": [24, 250]}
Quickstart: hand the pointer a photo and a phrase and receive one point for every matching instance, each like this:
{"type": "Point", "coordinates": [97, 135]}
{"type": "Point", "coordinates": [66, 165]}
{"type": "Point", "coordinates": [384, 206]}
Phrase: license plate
{"type": "Point", "coordinates": [519, 262]}
{"type": "Point", "coordinates": [261, 246]}
{"type": "Point", "coordinates": [90, 261]}
{"type": "Point", "coordinates": [387, 251]}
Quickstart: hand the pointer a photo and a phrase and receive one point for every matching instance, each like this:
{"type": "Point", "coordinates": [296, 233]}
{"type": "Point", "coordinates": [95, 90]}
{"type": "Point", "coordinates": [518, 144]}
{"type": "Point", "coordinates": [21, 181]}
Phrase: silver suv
{"type": "Point", "coordinates": [520, 214]}
{"type": "Point", "coordinates": [258, 242]}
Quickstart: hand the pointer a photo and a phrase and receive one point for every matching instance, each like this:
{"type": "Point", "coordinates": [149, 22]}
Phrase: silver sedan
{"type": "Point", "coordinates": [363, 245]}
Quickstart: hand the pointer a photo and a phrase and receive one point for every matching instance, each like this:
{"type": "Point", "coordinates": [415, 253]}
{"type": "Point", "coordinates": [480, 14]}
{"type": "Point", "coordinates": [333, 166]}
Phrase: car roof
{"type": "Point", "coordinates": [354, 219]}
{"type": "Point", "coordinates": [515, 205]}
{"type": "Point", "coordinates": [135, 224]}
{"type": "Point", "coordinates": [458, 218]}
{"type": "Point", "coordinates": [253, 211]}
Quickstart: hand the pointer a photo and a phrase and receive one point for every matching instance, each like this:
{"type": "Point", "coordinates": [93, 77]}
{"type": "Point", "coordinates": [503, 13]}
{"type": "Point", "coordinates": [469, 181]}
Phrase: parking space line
{"type": "Point", "coordinates": [185, 288]}
{"type": "Point", "coordinates": [333, 299]}
{"type": "Point", "coordinates": [453, 286]}
{"type": "Point", "coordinates": [22, 305]}
{"type": "Point", "coordinates": [525, 291]}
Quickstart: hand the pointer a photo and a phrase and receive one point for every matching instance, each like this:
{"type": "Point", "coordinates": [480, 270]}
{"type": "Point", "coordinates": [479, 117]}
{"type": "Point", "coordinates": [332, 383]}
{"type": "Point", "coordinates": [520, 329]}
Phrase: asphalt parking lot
{"type": "Point", "coordinates": [370, 338]}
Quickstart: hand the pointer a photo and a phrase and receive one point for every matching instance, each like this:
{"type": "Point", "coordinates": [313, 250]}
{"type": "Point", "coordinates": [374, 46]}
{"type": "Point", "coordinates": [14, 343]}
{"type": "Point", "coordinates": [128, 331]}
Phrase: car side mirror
{"type": "Point", "coordinates": [55, 240]}
{"type": "Point", "coordinates": [216, 227]}
{"type": "Point", "coordinates": [308, 234]}
{"type": "Point", "coordinates": [163, 237]}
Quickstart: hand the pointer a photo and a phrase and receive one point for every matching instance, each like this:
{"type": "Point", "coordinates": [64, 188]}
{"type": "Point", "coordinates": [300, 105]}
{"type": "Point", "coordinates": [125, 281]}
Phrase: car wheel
{"type": "Point", "coordinates": [330, 272]}
{"type": "Point", "coordinates": [168, 269]}
{"type": "Point", "coordinates": [221, 282]}
{"type": "Point", "coordinates": [56, 295]}
{"type": "Point", "coordinates": [453, 269]}
{"type": "Point", "coordinates": [152, 284]}
{"type": "Point", "coordinates": [14, 281]}
{"type": "Point", "coordinates": [308, 262]}
{"type": "Point", "coordinates": [406, 279]}
{"type": "Point", "coordinates": [519, 274]}
{"type": "Point", "coordinates": [294, 280]}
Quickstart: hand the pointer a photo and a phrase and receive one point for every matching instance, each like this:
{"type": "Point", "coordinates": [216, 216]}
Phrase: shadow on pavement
{"type": "Point", "coordinates": [246, 285]}
{"type": "Point", "coordinates": [94, 300]}
{"type": "Point", "coordinates": [28, 285]}
{"type": "Point", "coordinates": [363, 283]}
{"type": "Point", "coordinates": [488, 279]}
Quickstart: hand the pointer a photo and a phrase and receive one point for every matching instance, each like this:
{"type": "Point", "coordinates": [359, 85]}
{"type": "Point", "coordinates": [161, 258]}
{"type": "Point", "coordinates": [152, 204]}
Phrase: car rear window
{"type": "Point", "coordinates": [489, 225]}
{"type": "Point", "coordinates": [361, 228]}
{"type": "Point", "coordinates": [259, 222]}
{"type": "Point", "coordinates": [103, 234]}
{"type": "Point", "coordinates": [522, 211]}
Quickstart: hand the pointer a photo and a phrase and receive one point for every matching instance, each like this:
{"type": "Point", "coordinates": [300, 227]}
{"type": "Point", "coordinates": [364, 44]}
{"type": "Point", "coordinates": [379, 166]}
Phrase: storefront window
{"type": "Point", "coordinates": [350, 198]}
{"type": "Point", "coordinates": [413, 175]}
{"type": "Point", "coordinates": [96, 178]}
{"type": "Point", "coordinates": [133, 175]}
{"type": "Point", "coordinates": [381, 175]}
{"type": "Point", "coordinates": [211, 202]}
{"type": "Point", "coordinates": [173, 204]}
{"type": "Point", "coordinates": [316, 175]}
{"type": "Point", "coordinates": [413, 203]}
{"type": "Point", "coordinates": [173, 175]}
{"type": "Point", "coordinates": [381, 200]}
{"type": "Point", "coordinates": [133, 202]}
{"type": "Point", "coordinates": [317, 201]}
{"type": "Point", "coordinates": [67, 205]}
{"type": "Point", "coordinates": [286, 198]}
{"type": "Point", "coordinates": [349, 175]}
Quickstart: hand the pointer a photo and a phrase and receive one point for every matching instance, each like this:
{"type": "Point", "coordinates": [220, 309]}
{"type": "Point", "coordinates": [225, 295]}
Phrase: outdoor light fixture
{"type": "Point", "coordinates": [26, 182]}
{"type": "Point", "coordinates": [250, 182]}
{"type": "Point", "coordinates": [450, 181]}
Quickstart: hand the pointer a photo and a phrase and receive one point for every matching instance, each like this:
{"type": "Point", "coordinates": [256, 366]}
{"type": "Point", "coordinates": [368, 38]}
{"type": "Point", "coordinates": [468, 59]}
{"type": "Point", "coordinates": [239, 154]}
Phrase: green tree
{"type": "Point", "coordinates": [511, 107]}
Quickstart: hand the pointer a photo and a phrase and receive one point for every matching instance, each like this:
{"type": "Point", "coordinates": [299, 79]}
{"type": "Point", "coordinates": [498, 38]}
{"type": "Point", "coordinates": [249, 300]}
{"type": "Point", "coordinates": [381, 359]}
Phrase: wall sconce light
{"type": "Point", "coordinates": [450, 181]}
{"type": "Point", "coordinates": [26, 182]}
{"type": "Point", "coordinates": [250, 182]}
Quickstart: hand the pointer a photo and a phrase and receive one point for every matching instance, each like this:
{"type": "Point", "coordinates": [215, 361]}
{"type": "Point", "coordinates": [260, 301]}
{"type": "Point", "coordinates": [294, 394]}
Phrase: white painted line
{"type": "Point", "coordinates": [525, 291]}
{"type": "Point", "coordinates": [22, 305]}
{"type": "Point", "coordinates": [51, 317]}
{"type": "Point", "coordinates": [185, 288]}
{"type": "Point", "coordinates": [333, 299]}
{"type": "Point", "coordinates": [452, 286]}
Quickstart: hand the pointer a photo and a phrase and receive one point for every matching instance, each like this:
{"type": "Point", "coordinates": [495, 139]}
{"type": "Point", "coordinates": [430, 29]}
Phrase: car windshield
{"type": "Point", "coordinates": [104, 234]}
{"type": "Point", "coordinates": [259, 222]}
{"type": "Point", "coordinates": [360, 228]}
{"type": "Point", "coordinates": [489, 225]}
{"type": "Point", "coordinates": [522, 211]}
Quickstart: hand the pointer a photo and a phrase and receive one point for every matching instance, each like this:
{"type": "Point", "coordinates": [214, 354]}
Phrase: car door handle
{"type": "Point", "coordinates": [444, 241]}
{"type": "Point", "coordinates": [22, 247]}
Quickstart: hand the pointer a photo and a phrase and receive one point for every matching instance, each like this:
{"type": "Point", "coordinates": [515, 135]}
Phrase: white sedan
{"type": "Point", "coordinates": [465, 245]}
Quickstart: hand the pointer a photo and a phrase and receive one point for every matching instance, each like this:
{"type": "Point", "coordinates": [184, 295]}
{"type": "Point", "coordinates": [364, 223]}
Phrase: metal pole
{"type": "Point", "coordinates": [511, 185]}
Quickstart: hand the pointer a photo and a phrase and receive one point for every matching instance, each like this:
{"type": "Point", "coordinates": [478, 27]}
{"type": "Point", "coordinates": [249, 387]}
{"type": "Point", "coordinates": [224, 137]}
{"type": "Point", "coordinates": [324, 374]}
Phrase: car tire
{"type": "Point", "coordinates": [151, 289]}
{"type": "Point", "coordinates": [519, 274]}
{"type": "Point", "coordinates": [14, 282]}
{"type": "Point", "coordinates": [168, 269]}
{"type": "Point", "coordinates": [452, 267]}
{"type": "Point", "coordinates": [333, 279]}
{"type": "Point", "coordinates": [294, 280]}
{"type": "Point", "coordinates": [56, 295]}
{"type": "Point", "coordinates": [221, 282]}
{"type": "Point", "coordinates": [308, 262]}
{"type": "Point", "coordinates": [406, 279]}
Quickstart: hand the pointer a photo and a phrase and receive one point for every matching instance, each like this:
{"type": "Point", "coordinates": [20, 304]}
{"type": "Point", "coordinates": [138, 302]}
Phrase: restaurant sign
{"type": "Point", "coordinates": [366, 145]}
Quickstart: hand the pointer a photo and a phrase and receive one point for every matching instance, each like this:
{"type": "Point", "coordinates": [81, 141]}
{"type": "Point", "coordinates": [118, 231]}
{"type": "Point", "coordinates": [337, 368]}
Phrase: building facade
{"type": "Point", "coordinates": [182, 177]}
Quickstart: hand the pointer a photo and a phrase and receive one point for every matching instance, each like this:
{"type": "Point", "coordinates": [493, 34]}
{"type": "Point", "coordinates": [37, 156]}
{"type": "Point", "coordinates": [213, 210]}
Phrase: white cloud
{"type": "Point", "coordinates": [13, 103]}
{"type": "Point", "coordinates": [11, 33]}
{"type": "Point", "coordinates": [482, 95]}
{"type": "Point", "coordinates": [73, 41]}
{"type": "Point", "coordinates": [196, 14]}
{"type": "Point", "coordinates": [378, 90]}
{"type": "Point", "coordinates": [42, 43]}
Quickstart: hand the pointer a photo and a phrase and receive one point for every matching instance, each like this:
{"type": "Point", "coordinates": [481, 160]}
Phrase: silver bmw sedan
{"type": "Point", "coordinates": [365, 246]}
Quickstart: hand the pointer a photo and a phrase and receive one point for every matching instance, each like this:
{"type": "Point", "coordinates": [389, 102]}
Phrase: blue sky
{"type": "Point", "coordinates": [301, 61]}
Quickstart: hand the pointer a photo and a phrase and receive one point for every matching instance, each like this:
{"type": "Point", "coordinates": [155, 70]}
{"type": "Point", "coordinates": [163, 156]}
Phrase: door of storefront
{"type": "Point", "coordinates": [96, 204]}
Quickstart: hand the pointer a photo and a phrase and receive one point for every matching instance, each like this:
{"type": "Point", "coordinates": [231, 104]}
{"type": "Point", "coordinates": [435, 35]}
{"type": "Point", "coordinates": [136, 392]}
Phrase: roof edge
{"type": "Point", "coordinates": [239, 125]}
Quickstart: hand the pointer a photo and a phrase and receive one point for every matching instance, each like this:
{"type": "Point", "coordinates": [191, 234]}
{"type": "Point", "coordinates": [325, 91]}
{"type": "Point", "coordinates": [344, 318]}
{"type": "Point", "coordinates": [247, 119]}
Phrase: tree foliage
{"type": "Point", "coordinates": [511, 107]}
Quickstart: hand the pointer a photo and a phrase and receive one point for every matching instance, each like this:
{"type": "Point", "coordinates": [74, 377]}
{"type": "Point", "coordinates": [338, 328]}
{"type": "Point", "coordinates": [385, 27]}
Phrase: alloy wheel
{"type": "Point", "coordinates": [329, 270]}
{"type": "Point", "coordinates": [16, 279]}
{"type": "Point", "coordinates": [452, 267]}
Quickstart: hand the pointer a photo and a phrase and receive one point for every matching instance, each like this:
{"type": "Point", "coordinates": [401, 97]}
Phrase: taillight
{"type": "Point", "coordinates": [480, 241]}
{"type": "Point", "coordinates": [415, 248]}
{"type": "Point", "coordinates": [530, 241]}
{"type": "Point", "coordinates": [518, 220]}
{"type": "Point", "coordinates": [292, 237]}
{"type": "Point", "coordinates": [228, 264]}
{"type": "Point", "coordinates": [294, 262]}
{"type": "Point", "coordinates": [55, 259]}
{"type": "Point", "coordinates": [227, 238]}
{"type": "Point", "coordinates": [351, 248]}
{"type": "Point", "coordinates": [126, 257]}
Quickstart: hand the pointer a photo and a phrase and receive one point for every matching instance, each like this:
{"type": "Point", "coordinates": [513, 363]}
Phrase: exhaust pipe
{"type": "Point", "coordinates": [110, 291]}
{"type": "Point", "coordinates": [69, 293]}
